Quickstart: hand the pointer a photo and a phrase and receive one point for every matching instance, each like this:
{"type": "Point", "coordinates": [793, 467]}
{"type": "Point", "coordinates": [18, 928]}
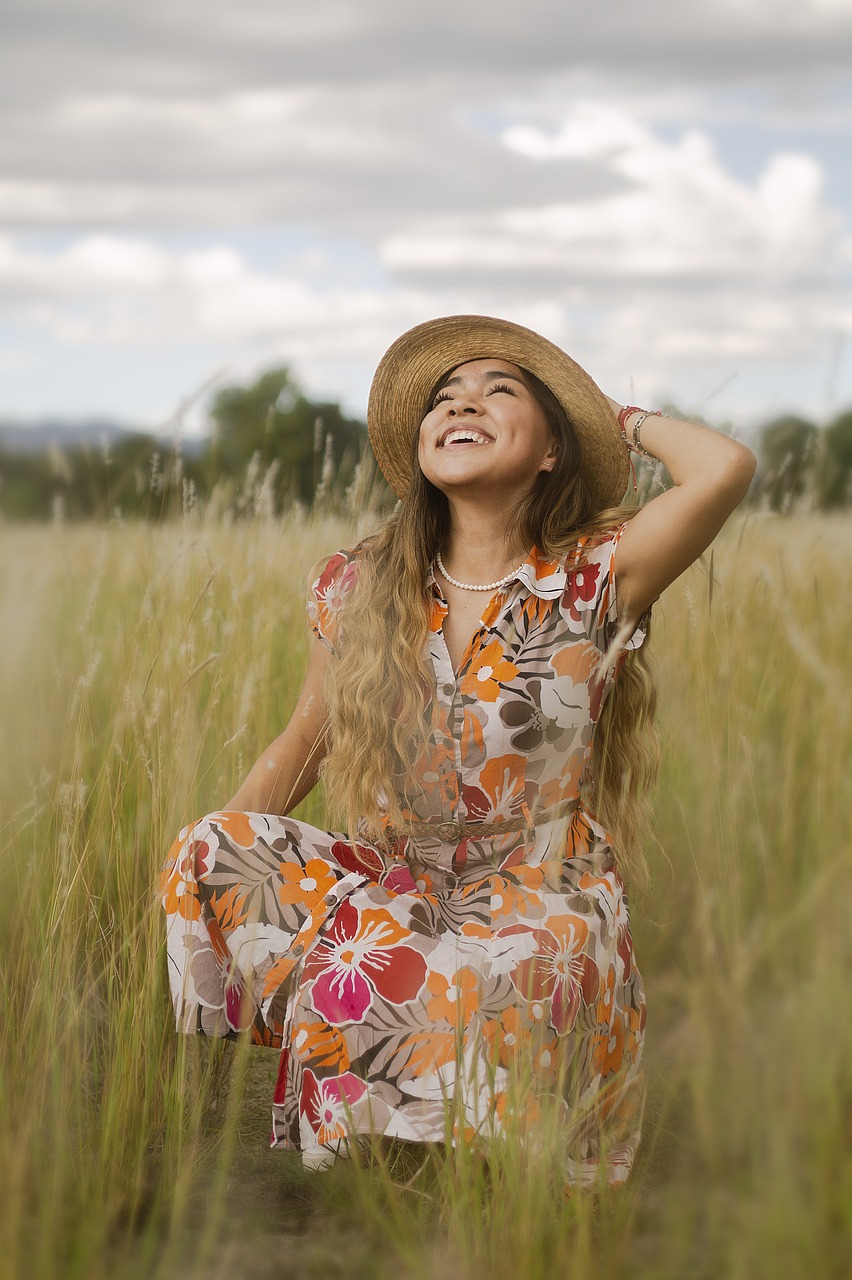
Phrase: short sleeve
{"type": "Point", "coordinates": [326, 594]}
{"type": "Point", "coordinates": [590, 595]}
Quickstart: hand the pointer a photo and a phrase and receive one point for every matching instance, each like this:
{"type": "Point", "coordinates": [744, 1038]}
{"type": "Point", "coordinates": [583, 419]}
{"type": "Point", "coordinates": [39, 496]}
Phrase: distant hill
{"type": "Point", "coordinates": [37, 437]}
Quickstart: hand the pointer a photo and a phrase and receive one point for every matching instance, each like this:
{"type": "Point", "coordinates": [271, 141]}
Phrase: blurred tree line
{"type": "Point", "coordinates": [270, 447]}
{"type": "Point", "coordinates": [801, 463]}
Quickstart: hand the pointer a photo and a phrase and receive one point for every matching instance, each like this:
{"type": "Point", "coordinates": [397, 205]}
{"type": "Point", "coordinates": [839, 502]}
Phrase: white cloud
{"type": "Point", "coordinates": [120, 291]}
{"type": "Point", "coordinates": [680, 215]}
{"type": "Point", "coordinates": [556, 166]}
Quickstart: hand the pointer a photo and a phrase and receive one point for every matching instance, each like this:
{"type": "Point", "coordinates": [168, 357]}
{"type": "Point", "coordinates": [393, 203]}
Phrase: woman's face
{"type": "Point", "coordinates": [485, 432]}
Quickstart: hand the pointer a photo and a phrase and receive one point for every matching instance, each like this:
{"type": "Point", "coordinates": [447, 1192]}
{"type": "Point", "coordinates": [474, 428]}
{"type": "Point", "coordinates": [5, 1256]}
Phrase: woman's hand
{"type": "Point", "coordinates": [711, 475]}
{"type": "Point", "coordinates": [288, 768]}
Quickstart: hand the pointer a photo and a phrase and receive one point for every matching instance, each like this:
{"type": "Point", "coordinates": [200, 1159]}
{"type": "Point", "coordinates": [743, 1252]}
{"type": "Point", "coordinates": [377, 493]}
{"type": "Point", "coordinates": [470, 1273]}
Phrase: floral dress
{"type": "Point", "coordinates": [406, 985]}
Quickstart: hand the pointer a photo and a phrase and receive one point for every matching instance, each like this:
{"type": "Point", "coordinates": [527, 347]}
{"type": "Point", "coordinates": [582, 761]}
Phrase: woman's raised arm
{"type": "Point", "coordinates": [711, 474]}
{"type": "Point", "coordinates": [287, 770]}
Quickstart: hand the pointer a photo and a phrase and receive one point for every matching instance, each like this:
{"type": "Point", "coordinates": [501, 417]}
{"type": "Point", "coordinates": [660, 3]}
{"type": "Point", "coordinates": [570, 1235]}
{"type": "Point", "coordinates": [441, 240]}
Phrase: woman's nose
{"type": "Point", "coordinates": [463, 404]}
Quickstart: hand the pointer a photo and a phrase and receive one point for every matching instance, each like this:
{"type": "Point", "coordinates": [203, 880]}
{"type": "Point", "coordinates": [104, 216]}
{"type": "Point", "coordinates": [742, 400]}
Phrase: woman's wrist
{"type": "Point", "coordinates": [630, 420]}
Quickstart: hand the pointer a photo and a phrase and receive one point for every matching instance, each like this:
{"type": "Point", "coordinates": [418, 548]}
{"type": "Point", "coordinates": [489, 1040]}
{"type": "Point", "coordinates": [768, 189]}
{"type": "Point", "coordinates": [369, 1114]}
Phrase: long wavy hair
{"type": "Point", "coordinates": [378, 680]}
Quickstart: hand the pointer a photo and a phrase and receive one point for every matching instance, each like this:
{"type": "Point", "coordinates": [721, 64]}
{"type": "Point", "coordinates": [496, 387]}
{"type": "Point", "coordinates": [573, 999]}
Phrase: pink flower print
{"type": "Point", "coordinates": [327, 1103]}
{"type": "Point", "coordinates": [238, 1017]}
{"type": "Point", "coordinates": [360, 957]}
{"type": "Point", "coordinates": [399, 880]}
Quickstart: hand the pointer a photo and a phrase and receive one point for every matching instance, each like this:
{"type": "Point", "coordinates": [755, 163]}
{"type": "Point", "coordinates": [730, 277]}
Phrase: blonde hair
{"type": "Point", "coordinates": [378, 678]}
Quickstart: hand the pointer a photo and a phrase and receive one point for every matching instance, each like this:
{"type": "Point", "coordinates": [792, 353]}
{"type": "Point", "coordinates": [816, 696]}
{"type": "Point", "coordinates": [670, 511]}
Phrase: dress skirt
{"type": "Point", "coordinates": [413, 993]}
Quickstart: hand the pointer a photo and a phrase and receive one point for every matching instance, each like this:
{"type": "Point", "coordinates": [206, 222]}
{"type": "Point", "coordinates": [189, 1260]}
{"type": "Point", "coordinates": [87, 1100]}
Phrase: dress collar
{"type": "Point", "coordinates": [544, 578]}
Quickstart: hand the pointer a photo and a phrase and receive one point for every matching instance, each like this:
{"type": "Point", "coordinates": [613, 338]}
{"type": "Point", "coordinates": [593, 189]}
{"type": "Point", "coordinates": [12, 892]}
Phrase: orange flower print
{"type": "Point", "coordinates": [532, 878]}
{"type": "Point", "coordinates": [322, 1045]}
{"type": "Point", "coordinates": [545, 1061]}
{"type": "Point", "coordinates": [508, 897]}
{"type": "Point", "coordinates": [554, 791]}
{"type": "Point", "coordinates": [565, 698]}
{"type": "Point", "coordinates": [505, 1036]}
{"type": "Point", "coordinates": [510, 1114]}
{"type": "Point", "coordinates": [423, 1052]}
{"type": "Point", "coordinates": [238, 827]}
{"type": "Point", "coordinates": [488, 669]}
{"type": "Point", "coordinates": [576, 660]}
{"type": "Point", "coordinates": [452, 1001]}
{"type": "Point", "coordinates": [472, 738]}
{"type": "Point", "coordinates": [180, 896]}
{"type": "Point", "coordinates": [304, 884]}
{"type": "Point", "coordinates": [437, 613]}
{"type": "Point", "coordinates": [229, 908]}
{"type": "Point", "coordinates": [559, 969]}
{"type": "Point", "coordinates": [189, 861]}
{"type": "Point", "coordinates": [608, 1047]}
{"type": "Point", "coordinates": [500, 794]}
{"type": "Point", "coordinates": [523, 1042]}
{"type": "Point", "coordinates": [635, 1027]}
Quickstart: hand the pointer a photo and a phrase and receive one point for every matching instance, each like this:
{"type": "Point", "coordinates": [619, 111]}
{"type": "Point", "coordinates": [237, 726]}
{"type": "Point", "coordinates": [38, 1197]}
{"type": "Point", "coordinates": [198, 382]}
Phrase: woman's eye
{"type": "Point", "coordinates": [441, 395]}
{"type": "Point", "coordinates": [500, 386]}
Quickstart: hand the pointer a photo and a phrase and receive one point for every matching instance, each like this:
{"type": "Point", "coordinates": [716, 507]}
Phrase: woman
{"type": "Point", "coordinates": [478, 704]}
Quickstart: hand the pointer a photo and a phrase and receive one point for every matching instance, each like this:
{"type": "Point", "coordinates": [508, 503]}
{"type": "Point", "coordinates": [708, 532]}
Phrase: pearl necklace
{"type": "Point", "coordinates": [475, 586]}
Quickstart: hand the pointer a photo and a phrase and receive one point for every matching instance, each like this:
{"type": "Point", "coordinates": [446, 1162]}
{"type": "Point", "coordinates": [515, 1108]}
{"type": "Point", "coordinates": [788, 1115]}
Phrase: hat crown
{"type": "Point", "coordinates": [417, 361]}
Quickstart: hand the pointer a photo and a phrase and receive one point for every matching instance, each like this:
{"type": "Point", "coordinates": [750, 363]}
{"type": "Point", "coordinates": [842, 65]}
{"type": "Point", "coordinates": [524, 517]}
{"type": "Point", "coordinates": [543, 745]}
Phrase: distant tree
{"type": "Point", "coordinates": [290, 437]}
{"type": "Point", "coordinates": [787, 449]}
{"type": "Point", "coordinates": [834, 469]}
{"type": "Point", "coordinates": [26, 487]}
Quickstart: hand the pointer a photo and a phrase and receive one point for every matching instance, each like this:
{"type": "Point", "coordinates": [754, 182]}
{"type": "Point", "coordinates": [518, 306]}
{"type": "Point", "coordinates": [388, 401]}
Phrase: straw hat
{"type": "Point", "coordinates": [413, 365]}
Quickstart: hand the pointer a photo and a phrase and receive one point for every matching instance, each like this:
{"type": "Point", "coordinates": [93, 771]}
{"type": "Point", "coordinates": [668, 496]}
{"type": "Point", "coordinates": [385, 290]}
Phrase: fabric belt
{"type": "Point", "coordinates": [454, 831]}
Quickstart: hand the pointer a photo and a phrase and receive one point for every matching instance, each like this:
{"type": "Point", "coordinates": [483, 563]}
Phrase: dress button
{"type": "Point", "coordinates": [297, 949]}
{"type": "Point", "coordinates": [449, 690]}
{"type": "Point", "coordinates": [330, 900]}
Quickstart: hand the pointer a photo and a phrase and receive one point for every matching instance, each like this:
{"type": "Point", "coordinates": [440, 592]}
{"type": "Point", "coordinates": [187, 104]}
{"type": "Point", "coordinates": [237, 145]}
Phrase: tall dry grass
{"type": "Point", "coordinates": [143, 669]}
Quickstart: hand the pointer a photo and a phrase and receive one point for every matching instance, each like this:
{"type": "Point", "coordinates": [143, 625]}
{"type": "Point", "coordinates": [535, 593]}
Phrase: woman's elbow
{"type": "Point", "coordinates": [739, 469]}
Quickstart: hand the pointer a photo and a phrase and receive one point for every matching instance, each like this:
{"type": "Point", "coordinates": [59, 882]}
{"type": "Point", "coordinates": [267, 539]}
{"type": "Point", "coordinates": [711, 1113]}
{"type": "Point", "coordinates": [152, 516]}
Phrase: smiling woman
{"type": "Point", "coordinates": [477, 700]}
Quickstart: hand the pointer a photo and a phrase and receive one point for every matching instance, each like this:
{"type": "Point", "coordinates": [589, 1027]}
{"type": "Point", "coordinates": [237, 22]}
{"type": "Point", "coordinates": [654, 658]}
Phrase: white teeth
{"type": "Point", "coordinates": [473, 436]}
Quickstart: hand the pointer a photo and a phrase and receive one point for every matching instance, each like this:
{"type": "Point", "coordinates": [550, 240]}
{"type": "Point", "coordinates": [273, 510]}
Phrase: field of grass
{"type": "Point", "coordinates": [143, 669]}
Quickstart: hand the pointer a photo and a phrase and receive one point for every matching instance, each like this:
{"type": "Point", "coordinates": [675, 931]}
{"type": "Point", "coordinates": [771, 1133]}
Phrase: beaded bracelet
{"type": "Point", "coordinates": [635, 445]}
{"type": "Point", "coordinates": [625, 412]}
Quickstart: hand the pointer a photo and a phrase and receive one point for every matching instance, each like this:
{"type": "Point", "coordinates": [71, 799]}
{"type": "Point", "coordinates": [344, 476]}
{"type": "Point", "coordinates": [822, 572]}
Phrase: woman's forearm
{"type": "Point", "coordinates": [711, 475]}
{"type": "Point", "coordinates": [283, 775]}
{"type": "Point", "coordinates": [690, 453]}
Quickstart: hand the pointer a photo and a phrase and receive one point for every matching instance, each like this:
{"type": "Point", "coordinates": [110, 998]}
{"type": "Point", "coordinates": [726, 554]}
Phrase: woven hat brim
{"type": "Point", "coordinates": [417, 360]}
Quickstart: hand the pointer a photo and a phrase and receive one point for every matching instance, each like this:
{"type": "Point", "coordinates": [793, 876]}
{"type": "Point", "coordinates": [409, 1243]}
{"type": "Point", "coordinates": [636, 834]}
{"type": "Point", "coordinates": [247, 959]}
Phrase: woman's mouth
{"type": "Point", "coordinates": [464, 435]}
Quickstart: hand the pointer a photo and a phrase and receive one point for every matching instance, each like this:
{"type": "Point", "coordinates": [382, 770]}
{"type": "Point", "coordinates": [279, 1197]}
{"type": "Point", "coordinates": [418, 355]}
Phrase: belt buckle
{"type": "Point", "coordinates": [448, 831]}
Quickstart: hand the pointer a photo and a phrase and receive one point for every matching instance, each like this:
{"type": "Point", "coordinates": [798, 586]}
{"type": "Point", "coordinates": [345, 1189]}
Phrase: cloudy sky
{"type": "Point", "coordinates": [191, 190]}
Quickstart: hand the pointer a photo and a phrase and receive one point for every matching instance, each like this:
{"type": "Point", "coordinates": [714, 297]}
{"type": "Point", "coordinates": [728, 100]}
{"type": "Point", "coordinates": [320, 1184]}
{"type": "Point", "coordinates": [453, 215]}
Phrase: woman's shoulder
{"type": "Point", "coordinates": [589, 599]}
{"type": "Point", "coordinates": [328, 570]}
{"type": "Point", "coordinates": [330, 580]}
{"type": "Point", "coordinates": [597, 546]}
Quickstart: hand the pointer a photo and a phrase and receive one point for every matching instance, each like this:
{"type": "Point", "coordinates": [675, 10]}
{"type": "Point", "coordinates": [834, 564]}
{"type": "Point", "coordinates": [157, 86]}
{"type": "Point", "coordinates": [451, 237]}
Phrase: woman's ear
{"type": "Point", "coordinates": [548, 462]}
